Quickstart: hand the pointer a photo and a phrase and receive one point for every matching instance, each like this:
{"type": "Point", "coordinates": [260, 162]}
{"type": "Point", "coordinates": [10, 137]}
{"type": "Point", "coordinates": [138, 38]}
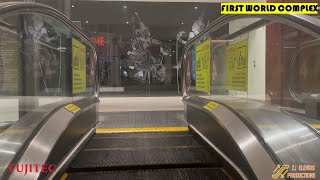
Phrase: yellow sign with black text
{"type": "Point", "coordinates": [269, 8]}
{"type": "Point", "coordinates": [237, 66]}
{"type": "Point", "coordinates": [211, 105]}
{"type": "Point", "coordinates": [203, 67]}
{"type": "Point", "coordinates": [79, 79]}
{"type": "Point", "coordinates": [72, 108]}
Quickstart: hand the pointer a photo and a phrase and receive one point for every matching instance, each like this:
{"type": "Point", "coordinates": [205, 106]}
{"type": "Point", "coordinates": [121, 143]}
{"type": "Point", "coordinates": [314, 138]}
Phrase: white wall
{"type": "Point", "coordinates": [9, 110]}
{"type": "Point", "coordinates": [256, 59]}
{"type": "Point", "coordinates": [257, 64]}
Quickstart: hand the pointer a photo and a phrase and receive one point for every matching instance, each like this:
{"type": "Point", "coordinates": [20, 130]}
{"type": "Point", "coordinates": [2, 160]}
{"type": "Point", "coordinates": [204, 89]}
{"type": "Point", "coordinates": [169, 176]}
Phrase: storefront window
{"type": "Point", "coordinates": [139, 44]}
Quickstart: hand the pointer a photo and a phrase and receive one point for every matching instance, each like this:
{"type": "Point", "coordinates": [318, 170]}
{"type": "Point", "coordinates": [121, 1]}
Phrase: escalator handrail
{"type": "Point", "coordinates": [292, 61]}
{"type": "Point", "coordinates": [8, 7]}
{"type": "Point", "coordinates": [303, 22]}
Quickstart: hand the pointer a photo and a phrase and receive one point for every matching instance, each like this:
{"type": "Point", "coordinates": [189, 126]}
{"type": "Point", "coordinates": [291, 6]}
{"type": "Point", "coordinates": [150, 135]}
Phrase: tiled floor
{"type": "Point", "coordinates": [141, 119]}
{"type": "Point", "coordinates": [125, 104]}
{"type": "Point", "coordinates": [141, 112]}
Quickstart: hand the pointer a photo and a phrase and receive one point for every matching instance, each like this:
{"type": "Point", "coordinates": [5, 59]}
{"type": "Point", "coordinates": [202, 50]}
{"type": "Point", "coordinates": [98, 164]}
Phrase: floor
{"type": "Point", "coordinates": [141, 112]}
{"type": "Point", "coordinates": [125, 104]}
{"type": "Point", "coordinates": [141, 119]}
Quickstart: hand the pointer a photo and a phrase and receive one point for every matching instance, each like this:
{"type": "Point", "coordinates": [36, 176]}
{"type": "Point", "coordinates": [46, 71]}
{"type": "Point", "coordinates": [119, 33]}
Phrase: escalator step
{"type": "Point", "coordinates": [198, 156]}
{"type": "Point", "coordinates": [142, 150]}
{"type": "Point", "coordinates": [159, 174]}
{"type": "Point", "coordinates": [142, 141]}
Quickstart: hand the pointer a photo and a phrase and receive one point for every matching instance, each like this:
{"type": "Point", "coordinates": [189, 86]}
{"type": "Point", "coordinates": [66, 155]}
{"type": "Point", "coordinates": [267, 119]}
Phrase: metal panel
{"type": "Point", "coordinates": [59, 170]}
{"type": "Point", "coordinates": [242, 137]}
{"type": "Point", "coordinates": [13, 139]}
{"type": "Point", "coordinates": [72, 134]}
{"type": "Point", "coordinates": [292, 141]}
{"type": "Point", "coordinates": [41, 146]}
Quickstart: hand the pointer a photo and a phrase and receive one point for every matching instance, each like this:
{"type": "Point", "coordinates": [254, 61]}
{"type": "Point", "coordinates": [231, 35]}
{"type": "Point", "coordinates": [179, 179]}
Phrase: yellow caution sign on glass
{"type": "Point", "coordinates": [203, 66]}
{"type": "Point", "coordinates": [79, 72]}
{"type": "Point", "coordinates": [72, 108]}
{"type": "Point", "coordinates": [211, 105]}
{"type": "Point", "coordinates": [237, 66]}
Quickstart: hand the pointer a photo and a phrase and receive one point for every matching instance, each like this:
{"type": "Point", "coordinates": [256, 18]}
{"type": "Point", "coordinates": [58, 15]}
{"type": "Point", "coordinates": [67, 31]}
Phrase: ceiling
{"type": "Point", "coordinates": [163, 19]}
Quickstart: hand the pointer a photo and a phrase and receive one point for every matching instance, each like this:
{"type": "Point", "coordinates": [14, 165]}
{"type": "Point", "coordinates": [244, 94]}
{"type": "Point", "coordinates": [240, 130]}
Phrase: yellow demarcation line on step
{"type": "Point", "coordinates": [64, 176]}
{"type": "Point", "coordinates": [316, 126]}
{"type": "Point", "coordinates": [148, 129]}
{"type": "Point", "coordinates": [13, 131]}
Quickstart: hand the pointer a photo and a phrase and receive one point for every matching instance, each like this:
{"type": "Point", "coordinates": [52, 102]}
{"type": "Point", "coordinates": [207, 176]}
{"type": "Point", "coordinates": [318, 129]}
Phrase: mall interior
{"type": "Point", "coordinates": [157, 89]}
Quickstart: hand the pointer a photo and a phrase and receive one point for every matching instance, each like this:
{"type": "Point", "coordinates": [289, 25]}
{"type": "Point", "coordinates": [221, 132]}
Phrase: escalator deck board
{"type": "Point", "coordinates": [160, 174]}
{"type": "Point", "coordinates": [143, 150]}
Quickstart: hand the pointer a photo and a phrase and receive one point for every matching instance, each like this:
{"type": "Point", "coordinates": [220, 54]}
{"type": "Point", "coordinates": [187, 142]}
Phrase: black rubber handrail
{"type": "Point", "coordinates": [292, 61]}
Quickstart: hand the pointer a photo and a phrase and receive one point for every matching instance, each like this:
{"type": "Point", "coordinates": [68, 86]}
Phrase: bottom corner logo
{"type": "Point", "coordinates": [280, 171]}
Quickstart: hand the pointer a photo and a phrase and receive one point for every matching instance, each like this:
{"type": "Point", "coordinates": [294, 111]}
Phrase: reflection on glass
{"type": "Point", "coordinates": [34, 57]}
{"type": "Point", "coordinates": [37, 63]}
{"type": "Point", "coordinates": [248, 61]}
{"type": "Point", "coordinates": [140, 47]}
{"type": "Point", "coordinates": [147, 53]}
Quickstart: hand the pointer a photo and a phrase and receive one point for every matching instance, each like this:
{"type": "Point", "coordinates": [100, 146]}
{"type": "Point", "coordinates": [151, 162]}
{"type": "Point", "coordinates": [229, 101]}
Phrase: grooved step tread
{"type": "Point", "coordinates": [141, 151]}
{"type": "Point", "coordinates": [145, 157]}
{"type": "Point", "coordinates": [159, 174]}
{"type": "Point", "coordinates": [142, 141]}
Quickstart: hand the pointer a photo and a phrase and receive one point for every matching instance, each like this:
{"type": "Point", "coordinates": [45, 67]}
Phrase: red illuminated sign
{"type": "Point", "coordinates": [98, 40]}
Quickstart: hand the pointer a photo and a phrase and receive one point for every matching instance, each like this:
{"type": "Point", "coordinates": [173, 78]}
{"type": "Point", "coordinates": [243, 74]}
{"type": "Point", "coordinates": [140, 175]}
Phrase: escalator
{"type": "Point", "coordinates": [157, 155]}
{"type": "Point", "coordinates": [226, 136]}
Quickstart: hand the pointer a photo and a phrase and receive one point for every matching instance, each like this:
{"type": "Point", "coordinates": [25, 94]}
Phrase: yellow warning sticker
{"type": "Point", "coordinates": [72, 108]}
{"type": "Point", "coordinates": [211, 105]}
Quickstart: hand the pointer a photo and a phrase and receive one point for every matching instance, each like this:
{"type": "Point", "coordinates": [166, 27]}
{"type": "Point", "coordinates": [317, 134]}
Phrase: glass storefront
{"type": "Point", "coordinates": [139, 44]}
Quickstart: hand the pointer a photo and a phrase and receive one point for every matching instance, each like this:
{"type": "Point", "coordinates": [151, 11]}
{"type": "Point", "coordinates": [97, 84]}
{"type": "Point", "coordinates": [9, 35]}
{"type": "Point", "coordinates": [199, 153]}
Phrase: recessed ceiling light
{"type": "Point", "coordinates": [127, 22]}
{"type": "Point", "coordinates": [196, 7]}
{"type": "Point", "coordinates": [182, 23]}
{"type": "Point", "coordinates": [72, 5]}
{"type": "Point", "coordinates": [87, 22]}
{"type": "Point", "coordinates": [125, 7]}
